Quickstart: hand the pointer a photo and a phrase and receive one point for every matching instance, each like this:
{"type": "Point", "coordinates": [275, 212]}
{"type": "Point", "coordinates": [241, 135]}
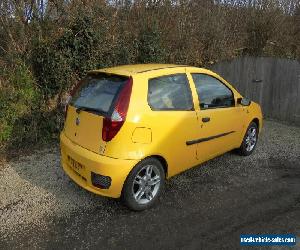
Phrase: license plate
{"type": "Point", "coordinates": [75, 165]}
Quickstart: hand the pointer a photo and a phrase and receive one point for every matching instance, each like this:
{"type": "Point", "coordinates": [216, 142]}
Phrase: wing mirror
{"type": "Point", "coordinates": [243, 101]}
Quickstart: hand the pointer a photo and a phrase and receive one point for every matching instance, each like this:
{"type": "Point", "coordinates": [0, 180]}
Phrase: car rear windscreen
{"type": "Point", "coordinates": [98, 92]}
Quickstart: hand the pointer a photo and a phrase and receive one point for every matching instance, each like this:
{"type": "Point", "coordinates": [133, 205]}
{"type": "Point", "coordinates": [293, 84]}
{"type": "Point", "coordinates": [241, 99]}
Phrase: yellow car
{"type": "Point", "coordinates": [129, 128]}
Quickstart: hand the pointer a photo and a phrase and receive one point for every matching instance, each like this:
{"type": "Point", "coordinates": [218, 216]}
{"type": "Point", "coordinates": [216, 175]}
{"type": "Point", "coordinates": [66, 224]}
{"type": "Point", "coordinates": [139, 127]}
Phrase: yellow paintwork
{"type": "Point", "coordinates": [142, 135]}
{"type": "Point", "coordinates": [116, 168]}
{"type": "Point", "coordinates": [148, 133]}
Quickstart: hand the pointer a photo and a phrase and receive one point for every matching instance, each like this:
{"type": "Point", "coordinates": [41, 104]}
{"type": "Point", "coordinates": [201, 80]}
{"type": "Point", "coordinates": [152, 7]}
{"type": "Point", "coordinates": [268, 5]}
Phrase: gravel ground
{"type": "Point", "coordinates": [207, 207]}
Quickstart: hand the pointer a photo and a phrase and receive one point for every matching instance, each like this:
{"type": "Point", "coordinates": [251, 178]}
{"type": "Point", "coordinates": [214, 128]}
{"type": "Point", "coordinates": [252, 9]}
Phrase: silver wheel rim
{"type": "Point", "coordinates": [146, 184]}
{"type": "Point", "coordinates": [251, 139]}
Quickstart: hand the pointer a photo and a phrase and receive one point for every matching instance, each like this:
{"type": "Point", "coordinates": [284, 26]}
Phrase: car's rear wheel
{"type": "Point", "coordinates": [144, 184]}
{"type": "Point", "coordinates": [250, 140]}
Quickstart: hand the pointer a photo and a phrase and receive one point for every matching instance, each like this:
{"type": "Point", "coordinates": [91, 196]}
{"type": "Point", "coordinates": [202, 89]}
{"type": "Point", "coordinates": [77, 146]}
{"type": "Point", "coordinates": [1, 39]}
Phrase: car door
{"type": "Point", "coordinates": [173, 119]}
{"type": "Point", "coordinates": [219, 120]}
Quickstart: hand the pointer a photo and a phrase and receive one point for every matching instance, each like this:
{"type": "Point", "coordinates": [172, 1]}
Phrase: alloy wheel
{"type": "Point", "coordinates": [146, 184]}
{"type": "Point", "coordinates": [251, 139]}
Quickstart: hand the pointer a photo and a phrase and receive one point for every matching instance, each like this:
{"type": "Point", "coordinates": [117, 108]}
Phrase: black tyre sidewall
{"type": "Point", "coordinates": [127, 197]}
{"type": "Point", "coordinates": [243, 150]}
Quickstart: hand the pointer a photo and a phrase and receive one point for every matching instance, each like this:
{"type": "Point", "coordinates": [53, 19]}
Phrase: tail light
{"type": "Point", "coordinates": [112, 125]}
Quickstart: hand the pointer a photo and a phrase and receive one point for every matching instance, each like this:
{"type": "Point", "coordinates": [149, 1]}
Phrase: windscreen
{"type": "Point", "coordinates": [97, 92]}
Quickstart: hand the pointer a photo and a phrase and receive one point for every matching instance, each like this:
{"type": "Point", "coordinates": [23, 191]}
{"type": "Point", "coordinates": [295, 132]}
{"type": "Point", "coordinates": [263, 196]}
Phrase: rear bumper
{"type": "Point", "coordinates": [116, 169]}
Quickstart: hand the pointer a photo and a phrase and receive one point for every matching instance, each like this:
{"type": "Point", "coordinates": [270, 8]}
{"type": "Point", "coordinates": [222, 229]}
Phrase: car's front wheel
{"type": "Point", "coordinates": [144, 184]}
{"type": "Point", "coordinates": [250, 140]}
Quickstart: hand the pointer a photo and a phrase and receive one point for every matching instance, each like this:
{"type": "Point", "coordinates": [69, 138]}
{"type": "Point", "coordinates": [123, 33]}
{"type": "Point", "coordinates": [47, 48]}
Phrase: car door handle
{"type": "Point", "coordinates": [206, 119]}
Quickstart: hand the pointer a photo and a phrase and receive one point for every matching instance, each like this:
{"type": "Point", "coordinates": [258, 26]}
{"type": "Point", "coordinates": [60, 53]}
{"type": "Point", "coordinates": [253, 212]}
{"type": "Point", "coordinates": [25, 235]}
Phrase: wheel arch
{"type": "Point", "coordinates": [162, 160]}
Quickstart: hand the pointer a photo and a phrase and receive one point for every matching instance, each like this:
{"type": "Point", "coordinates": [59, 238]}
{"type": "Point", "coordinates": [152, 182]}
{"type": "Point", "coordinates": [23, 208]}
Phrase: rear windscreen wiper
{"type": "Point", "coordinates": [97, 111]}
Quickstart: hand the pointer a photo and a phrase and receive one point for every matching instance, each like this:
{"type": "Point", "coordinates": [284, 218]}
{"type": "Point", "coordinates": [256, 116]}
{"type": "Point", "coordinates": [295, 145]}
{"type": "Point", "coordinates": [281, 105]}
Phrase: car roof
{"type": "Point", "coordinates": [136, 68]}
{"type": "Point", "coordinates": [129, 70]}
{"type": "Point", "coordinates": [133, 69]}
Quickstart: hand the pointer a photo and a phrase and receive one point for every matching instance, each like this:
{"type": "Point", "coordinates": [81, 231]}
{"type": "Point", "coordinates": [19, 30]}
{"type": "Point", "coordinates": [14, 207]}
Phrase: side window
{"type": "Point", "coordinates": [170, 93]}
{"type": "Point", "coordinates": [212, 92]}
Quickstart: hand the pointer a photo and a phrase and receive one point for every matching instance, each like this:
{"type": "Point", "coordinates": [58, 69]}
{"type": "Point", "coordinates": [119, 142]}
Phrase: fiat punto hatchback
{"type": "Point", "coordinates": [129, 128]}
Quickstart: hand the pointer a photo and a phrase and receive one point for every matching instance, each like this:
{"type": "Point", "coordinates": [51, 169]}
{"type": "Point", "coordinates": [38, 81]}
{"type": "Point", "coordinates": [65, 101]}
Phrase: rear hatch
{"type": "Point", "coordinates": [93, 101]}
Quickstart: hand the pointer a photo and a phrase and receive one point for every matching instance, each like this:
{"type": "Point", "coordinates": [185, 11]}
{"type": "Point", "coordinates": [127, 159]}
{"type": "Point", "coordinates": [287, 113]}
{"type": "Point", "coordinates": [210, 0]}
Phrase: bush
{"type": "Point", "coordinates": [18, 97]}
{"type": "Point", "coordinates": [51, 68]}
{"type": "Point", "coordinates": [150, 49]}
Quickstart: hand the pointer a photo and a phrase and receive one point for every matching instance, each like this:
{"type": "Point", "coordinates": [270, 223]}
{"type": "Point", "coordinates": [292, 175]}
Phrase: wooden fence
{"type": "Point", "coordinates": [273, 83]}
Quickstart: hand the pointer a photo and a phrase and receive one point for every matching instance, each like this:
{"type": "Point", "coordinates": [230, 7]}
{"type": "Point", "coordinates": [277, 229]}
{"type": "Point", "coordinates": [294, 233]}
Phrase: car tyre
{"type": "Point", "coordinates": [250, 140]}
{"type": "Point", "coordinates": [144, 185]}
